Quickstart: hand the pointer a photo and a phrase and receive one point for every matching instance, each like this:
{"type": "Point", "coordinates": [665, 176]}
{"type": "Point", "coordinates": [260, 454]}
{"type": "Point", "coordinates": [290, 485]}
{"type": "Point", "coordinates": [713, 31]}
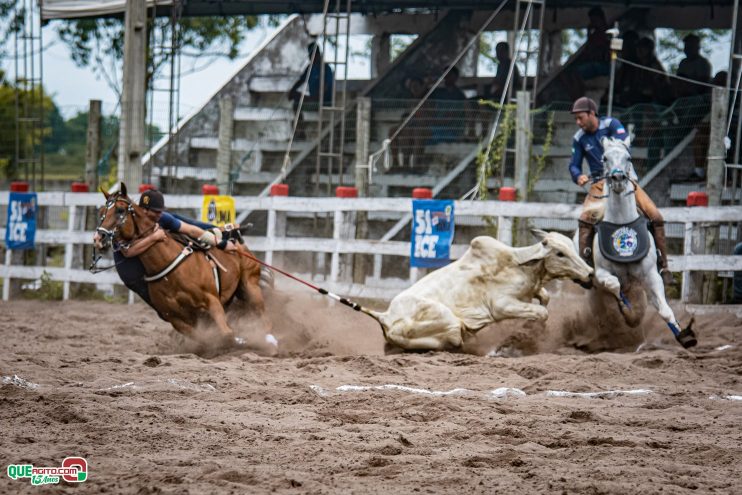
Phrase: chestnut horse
{"type": "Point", "coordinates": [185, 293]}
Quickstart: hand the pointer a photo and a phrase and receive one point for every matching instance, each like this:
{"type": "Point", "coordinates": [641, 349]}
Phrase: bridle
{"type": "Point", "coordinates": [108, 236]}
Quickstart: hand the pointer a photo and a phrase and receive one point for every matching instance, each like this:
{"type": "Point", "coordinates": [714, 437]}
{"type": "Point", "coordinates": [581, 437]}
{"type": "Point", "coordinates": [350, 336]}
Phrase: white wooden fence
{"type": "Point", "coordinates": [275, 243]}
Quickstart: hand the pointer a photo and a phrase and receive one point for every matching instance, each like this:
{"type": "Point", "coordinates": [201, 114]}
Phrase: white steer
{"type": "Point", "coordinates": [489, 283]}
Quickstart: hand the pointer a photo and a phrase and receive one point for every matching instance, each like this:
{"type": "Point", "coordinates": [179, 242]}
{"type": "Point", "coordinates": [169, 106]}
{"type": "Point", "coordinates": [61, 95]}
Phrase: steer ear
{"type": "Point", "coordinates": [539, 234]}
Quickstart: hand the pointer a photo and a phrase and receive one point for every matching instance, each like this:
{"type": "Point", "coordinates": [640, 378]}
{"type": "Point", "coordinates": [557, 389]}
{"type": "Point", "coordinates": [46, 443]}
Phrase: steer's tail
{"type": "Point", "coordinates": [379, 317]}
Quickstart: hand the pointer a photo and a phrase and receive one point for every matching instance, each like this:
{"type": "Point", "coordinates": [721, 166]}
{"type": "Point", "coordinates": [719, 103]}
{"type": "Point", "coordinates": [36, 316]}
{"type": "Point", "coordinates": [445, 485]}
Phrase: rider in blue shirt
{"type": "Point", "coordinates": [130, 268]}
{"type": "Point", "coordinates": [586, 145]}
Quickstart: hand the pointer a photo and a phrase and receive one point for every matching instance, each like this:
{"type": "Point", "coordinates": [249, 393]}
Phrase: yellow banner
{"type": "Point", "coordinates": [218, 210]}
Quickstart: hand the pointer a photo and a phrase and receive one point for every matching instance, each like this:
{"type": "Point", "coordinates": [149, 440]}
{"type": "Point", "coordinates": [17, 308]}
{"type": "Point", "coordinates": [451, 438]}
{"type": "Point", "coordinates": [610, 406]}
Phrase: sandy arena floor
{"type": "Point", "coordinates": [115, 385]}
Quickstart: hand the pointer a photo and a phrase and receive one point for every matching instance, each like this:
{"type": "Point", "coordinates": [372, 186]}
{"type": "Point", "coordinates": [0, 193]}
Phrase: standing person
{"type": "Point", "coordinates": [694, 66]}
{"type": "Point", "coordinates": [312, 76]}
{"type": "Point", "coordinates": [494, 91]}
{"type": "Point", "coordinates": [130, 269]}
{"type": "Point", "coordinates": [586, 145]}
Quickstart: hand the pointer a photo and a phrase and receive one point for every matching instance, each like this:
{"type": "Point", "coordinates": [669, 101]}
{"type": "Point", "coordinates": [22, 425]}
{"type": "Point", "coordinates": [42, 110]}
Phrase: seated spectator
{"type": "Point", "coordinates": [648, 84]}
{"type": "Point", "coordinates": [624, 72]}
{"type": "Point", "coordinates": [701, 141]}
{"type": "Point", "coordinates": [409, 144]}
{"type": "Point", "coordinates": [694, 66]}
{"type": "Point", "coordinates": [312, 76]}
{"type": "Point", "coordinates": [449, 117]}
{"type": "Point", "coordinates": [495, 89]}
{"type": "Point", "coordinates": [594, 60]}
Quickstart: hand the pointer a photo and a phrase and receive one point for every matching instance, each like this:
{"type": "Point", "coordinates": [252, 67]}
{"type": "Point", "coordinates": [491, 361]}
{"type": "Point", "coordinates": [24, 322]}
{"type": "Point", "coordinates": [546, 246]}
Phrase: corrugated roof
{"type": "Point", "coordinates": [60, 9]}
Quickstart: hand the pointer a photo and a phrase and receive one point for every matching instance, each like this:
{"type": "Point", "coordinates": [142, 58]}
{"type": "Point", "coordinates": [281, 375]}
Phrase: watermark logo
{"type": "Point", "coordinates": [72, 470]}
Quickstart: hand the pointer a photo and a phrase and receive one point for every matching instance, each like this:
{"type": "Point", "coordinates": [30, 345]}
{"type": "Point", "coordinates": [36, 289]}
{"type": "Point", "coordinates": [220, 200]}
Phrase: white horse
{"type": "Point", "coordinates": [624, 252]}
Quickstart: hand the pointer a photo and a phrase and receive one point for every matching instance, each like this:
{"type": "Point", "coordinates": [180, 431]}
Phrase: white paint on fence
{"type": "Point", "coordinates": [343, 241]}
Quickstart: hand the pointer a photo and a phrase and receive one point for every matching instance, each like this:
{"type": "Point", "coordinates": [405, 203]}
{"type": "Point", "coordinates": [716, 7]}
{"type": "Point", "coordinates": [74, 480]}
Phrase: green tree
{"type": "Point", "coordinates": [99, 43]}
{"type": "Point", "coordinates": [30, 134]}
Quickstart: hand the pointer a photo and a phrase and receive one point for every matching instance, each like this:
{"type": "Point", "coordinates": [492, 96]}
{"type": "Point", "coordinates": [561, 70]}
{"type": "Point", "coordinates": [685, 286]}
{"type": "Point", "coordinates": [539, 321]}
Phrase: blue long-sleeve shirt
{"type": "Point", "coordinates": [587, 145]}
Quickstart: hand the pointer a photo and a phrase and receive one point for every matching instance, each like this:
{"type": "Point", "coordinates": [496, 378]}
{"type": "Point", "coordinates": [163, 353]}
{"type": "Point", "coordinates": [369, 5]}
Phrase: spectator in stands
{"type": "Point", "coordinates": [624, 73]}
{"type": "Point", "coordinates": [409, 144]}
{"type": "Point", "coordinates": [694, 66]}
{"type": "Point", "coordinates": [312, 75]}
{"type": "Point", "coordinates": [495, 89]}
{"type": "Point", "coordinates": [701, 142]}
{"type": "Point", "coordinates": [649, 83]}
{"type": "Point", "coordinates": [449, 117]}
{"type": "Point", "coordinates": [594, 60]}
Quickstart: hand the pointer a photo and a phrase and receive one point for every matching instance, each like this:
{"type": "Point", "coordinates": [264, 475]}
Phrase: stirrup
{"type": "Point", "coordinates": [667, 277]}
{"type": "Point", "coordinates": [587, 256]}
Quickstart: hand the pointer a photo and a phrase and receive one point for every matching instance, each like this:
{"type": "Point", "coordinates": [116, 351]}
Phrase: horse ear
{"type": "Point", "coordinates": [122, 189]}
{"type": "Point", "coordinates": [104, 192]}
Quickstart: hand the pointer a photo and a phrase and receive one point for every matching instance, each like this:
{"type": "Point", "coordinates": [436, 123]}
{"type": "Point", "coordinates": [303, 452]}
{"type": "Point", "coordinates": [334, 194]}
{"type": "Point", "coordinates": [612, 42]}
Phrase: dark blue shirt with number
{"type": "Point", "coordinates": [587, 145]}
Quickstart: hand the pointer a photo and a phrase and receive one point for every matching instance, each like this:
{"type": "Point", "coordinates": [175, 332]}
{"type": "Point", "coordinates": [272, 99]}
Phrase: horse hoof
{"type": "Point", "coordinates": [687, 338]}
{"type": "Point", "coordinates": [271, 340]}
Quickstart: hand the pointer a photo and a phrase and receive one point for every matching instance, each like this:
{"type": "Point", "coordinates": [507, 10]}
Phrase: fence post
{"type": "Point", "coordinates": [224, 152]}
{"type": "Point", "coordinates": [363, 140]}
{"type": "Point", "coordinates": [715, 179]}
{"type": "Point", "coordinates": [343, 223]}
{"type": "Point", "coordinates": [522, 159]}
{"type": "Point", "coordinates": [276, 226]}
{"type": "Point", "coordinates": [693, 243]}
{"type": "Point", "coordinates": [505, 224]}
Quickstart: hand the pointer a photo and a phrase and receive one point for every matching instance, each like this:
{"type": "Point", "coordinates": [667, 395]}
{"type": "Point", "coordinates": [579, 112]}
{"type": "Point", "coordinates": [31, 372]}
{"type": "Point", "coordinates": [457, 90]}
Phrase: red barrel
{"type": "Point", "coordinates": [146, 187]}
{"type": "Point", "coordinates": [346, 192]}
{"type": "Point", "coordinates": [79, 187]}
{"type": "Point", "coordinates": [19, 186]}
{"type": "Point", "coordinates": [210, 189]}
{"type": "Point", "coordinates": [280, 190]}
{"type": "Point", "coordinates": [422, 193]}
{"type": "Point", "coordinates": [696, 198]}
{"type": "Point", "coordinates": [507, 194]}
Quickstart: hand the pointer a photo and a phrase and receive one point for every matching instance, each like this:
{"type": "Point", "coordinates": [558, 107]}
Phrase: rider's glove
{"type": "Point", "coordinates": [207, 239]}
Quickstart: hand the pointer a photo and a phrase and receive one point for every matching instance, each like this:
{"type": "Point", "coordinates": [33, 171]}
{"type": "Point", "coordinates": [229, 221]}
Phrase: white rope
{"type": "Point", "coordinates": [674, 76]}
{"type": "Point", "coordinates": [503, 96]}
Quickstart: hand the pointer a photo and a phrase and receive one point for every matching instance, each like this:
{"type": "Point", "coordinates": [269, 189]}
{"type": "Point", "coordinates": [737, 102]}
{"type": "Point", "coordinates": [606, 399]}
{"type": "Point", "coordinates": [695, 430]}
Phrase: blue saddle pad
{"type": "Point", "coordinates": [627, 243]}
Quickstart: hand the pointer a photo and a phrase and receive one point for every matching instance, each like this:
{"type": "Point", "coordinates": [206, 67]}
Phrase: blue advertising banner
{"type": "Point", "coordinates": [21, 229]}
{"type": "Point", "coordinates": [432, 232]}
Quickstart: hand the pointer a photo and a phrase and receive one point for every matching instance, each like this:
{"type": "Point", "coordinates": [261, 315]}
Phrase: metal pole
{"type": "Point", "coordinates": [616, 45]}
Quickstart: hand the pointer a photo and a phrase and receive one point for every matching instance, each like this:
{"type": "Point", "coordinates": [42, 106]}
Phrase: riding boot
{"type": "Point", "coordinates": [658, 232]}
{"type": "Point", "coordinates": [586, 236]}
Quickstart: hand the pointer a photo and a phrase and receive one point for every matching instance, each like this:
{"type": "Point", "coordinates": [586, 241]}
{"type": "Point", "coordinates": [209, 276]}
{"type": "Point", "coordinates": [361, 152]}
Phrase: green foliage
{"type": "Point", "coordinates": [99, 43]}
{"type": "Point", "coordinates": [490, 164]}
{"type": "Point", "coordinates": [29, 133]}
{"type": "Point", "coordinates": [540, 160]}
{"type": "Point", "coordinates": [49, 290]}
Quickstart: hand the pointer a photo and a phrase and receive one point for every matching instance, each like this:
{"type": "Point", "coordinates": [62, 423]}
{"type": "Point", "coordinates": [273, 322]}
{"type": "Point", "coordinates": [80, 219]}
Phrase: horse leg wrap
{"type": "Point", "coordinates": [586, 236]}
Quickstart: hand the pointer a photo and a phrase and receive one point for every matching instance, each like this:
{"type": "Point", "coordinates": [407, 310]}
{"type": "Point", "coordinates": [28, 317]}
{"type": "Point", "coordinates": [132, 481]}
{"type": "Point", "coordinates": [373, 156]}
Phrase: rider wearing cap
{"type": "Point", "coordinates": [130, 268]}
{"type": "Point", "coordinates": [586, 145]}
